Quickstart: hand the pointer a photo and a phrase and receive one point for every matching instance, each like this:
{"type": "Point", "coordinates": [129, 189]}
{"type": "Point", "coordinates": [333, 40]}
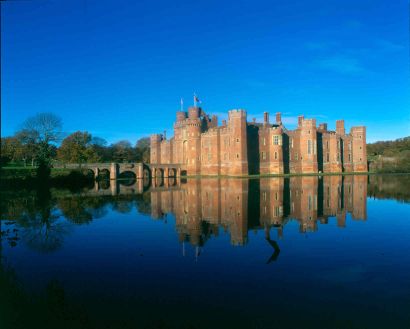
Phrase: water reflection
{"type": "Point", "coordinates": [201, 206]}
{"type": "Point", "coordinates": [90, 262]}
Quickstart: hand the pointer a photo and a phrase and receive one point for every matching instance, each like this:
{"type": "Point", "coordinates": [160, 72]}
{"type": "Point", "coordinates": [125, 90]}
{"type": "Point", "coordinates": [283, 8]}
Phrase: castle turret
{"type": "Point", "coordinates": [155, 150]}
{"type": "Point", "coordinates": [340, 127]}
{"type": "Point", "coordinates": [359, 153]}
{"type": "Point", "coordinates": [181, 116]}
{"type": "Point", "coordinates": [192, 149]}
{"type": "Point", "coordinates": [193, 112]}
{"type": "Point", "coordinates": [238, 150]}
{"type": "Point", "coordinates": [308, 146]}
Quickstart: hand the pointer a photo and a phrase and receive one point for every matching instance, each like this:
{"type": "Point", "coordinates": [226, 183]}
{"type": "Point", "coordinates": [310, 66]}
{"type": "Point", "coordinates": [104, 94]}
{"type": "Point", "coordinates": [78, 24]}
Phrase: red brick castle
{"type": "Point", "coordinates": [201, 147]}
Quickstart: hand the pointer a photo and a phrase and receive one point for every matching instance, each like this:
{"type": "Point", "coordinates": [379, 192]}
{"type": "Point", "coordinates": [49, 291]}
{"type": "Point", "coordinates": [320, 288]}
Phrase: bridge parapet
{"type": "Point", "coordinates": [115, 169]}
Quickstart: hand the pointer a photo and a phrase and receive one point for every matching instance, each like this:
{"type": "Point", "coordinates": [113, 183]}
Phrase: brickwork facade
{"type": "Point", "coordinates": [237, 147]}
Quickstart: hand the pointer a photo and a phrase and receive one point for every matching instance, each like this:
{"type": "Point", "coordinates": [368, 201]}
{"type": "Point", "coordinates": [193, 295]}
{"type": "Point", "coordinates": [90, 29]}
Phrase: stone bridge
{"type": "Point", "coordinates": [137, 186]}
{"type": "Point", "coordinates": [140, 170]}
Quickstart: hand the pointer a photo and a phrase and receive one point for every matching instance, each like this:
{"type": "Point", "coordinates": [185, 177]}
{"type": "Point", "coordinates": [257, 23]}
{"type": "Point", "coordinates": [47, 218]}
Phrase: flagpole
{"type": "Point", "coordinates": [194, 99]}
{"type": "Point", "coordinates": [182, 104]}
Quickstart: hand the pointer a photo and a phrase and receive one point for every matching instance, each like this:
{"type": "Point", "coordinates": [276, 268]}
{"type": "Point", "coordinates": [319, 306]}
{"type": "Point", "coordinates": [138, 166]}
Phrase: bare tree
{"type": "Point", "coordinates": [44, 128]}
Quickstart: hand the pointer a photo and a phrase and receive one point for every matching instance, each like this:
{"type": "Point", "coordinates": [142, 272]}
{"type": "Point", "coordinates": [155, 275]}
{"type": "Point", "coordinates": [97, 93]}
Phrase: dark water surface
{"type": "Point", "coordinates": [303, 252]}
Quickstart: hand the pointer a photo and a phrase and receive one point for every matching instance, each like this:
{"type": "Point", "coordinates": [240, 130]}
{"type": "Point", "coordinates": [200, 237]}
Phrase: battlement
{"type": "Point", "coordinates": [194, 112]}
{"type": "Point", "coordinates": [235, 113]}
{"type": "Point", "coordinates": [181, 116]}
{"type": "Point", "coordinates": [309, 123]}
{"type": "Point", "coordinates": [156, 138]}
{"type": "Point", "coordinates": [340, 127]}
{"type": "Point", "coordinates": [358, 129]}
{"type": "Point", "coordinates": [238, 147]}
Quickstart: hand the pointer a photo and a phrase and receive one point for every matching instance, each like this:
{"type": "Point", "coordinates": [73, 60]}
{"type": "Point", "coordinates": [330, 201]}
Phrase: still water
{"type": "Point", "coordinates": [300, 252]}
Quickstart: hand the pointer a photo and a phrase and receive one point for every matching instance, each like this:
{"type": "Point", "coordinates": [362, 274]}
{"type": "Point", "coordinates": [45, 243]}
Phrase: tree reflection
{"type": "Point", "coordinates": [43, 230]}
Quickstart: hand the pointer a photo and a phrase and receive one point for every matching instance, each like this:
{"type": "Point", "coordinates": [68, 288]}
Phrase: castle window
{"type": "Point", "coordinates": [237, 155]}
{"type": "Point", "coordinates": [264, 141]}
{"type": "Point", "coordinates": [314, 148]}
{"type": "Point", "coordinates": [350, 157]}
{"type": "Point", "coordinates": [276, 155]}
{"type": "Point", "coordinates": [276, 140]}
{"type": "Point", "coordinates": [360, 147]}
{"type": "Point", "coordinates": [237, 140]}
{"type": "Point", "coordinates": [276, 196]}
{"type": "Point", "coordinates": [291, 142]}
{"type": "Point", "coordinates": [264, 196]}
{"type": "Point", "coordinates": [296, 155]}
{"type": "Point", "coordinates": [264, 155]}
{"type": "Point", "coordinates": [309, 146]}
{"type": "Point", "coordinates": [327, 157]}
{"type": "Point", "coordinates": [327, 144]}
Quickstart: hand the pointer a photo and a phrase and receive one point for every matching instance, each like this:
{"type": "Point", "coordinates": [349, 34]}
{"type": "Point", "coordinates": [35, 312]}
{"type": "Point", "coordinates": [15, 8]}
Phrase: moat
{"type": "Point", "coordinates": [298, 252]}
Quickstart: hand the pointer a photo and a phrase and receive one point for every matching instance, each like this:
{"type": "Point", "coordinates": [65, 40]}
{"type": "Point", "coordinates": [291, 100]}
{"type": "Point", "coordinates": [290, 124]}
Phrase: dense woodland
{"type": "Point", "coordinates": [389, 156]}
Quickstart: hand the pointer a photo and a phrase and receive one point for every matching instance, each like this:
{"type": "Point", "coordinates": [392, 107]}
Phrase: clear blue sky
{"type": "Point", "coordinates": [118, 68]}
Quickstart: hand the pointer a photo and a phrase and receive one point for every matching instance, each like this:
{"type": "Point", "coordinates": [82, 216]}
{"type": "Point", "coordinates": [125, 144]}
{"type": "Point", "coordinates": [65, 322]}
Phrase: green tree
{"type": "Point", "coordinates": [143, 149]}
{"type": "Point", "coordinates": [77, 148]}
{"type": "Point", "coordinates": [10, 147]}
{"type": "Point", "coordinates": [123, 151]}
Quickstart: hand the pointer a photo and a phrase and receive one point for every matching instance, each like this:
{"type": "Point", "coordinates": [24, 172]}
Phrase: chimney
{"type": "Point", "coordinates": [223, 123]}
{"type": "Point", "coordinates": [278, 118]}
{"type": "Point", "coordinates": [300, 120]}
{"type": "Point", "coordinates": [165, 134]}
{"type": "Point", "coordinates": [215, 120]}
{"type": "Point", "coordinates": [340, 127]}
{"type": "Point", "coordinates": [265, 118]}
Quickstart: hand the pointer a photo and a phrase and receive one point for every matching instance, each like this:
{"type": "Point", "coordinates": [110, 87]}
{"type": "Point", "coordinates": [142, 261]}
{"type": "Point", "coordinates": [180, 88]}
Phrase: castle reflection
{"type": "Point", "coordinates": [203, 206]}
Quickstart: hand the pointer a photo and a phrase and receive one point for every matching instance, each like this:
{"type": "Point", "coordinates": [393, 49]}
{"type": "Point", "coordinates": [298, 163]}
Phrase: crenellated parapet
{"type": "Point", "coordinates": [238, 147]}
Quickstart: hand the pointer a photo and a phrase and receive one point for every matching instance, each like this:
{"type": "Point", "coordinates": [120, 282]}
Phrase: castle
{"type": "Point", "coordinates": [238, 147]}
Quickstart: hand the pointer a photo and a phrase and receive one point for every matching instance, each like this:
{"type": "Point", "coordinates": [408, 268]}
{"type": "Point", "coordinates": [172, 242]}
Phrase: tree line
{"type": "Point", "coordinates": [41, 142]}
{"type": "Point", "coordinates": [399, 147]}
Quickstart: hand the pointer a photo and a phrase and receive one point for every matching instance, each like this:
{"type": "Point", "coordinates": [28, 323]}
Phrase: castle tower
{"type": "Point", "coordinates": [308, 146]}
{"type": "Point", "coordinates": [238, 148]}
{"type": "Point", "coordinates": [276, 151]}
{"type": "Point", "coordinates": [155, 149]}
{"type": "Point", "coordinates": [359, 154]}
{"type": "Point", "coordinates": [192, 144]}
{"type": "Point", "coordinates": [340, 127]}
